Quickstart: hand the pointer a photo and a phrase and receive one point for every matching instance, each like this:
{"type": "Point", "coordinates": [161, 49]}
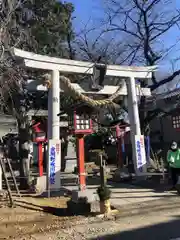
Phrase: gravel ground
{"type": "Point", "coordinates": [31, 216]}
{"type": "Point", "coordinates": [152, 220]}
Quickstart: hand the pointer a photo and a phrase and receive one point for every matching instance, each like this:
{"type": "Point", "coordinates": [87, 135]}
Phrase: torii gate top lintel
{"type": "Point", "coordinates": [33, 60]}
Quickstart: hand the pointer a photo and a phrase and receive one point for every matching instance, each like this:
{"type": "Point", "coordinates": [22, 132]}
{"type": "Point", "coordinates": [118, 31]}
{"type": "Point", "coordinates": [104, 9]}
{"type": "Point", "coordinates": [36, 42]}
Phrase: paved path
{"type": "Point", "coordinates": [123, 194]}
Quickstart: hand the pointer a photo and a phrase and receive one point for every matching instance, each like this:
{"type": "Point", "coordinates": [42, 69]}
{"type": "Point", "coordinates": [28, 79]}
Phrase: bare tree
{"type": "Point", "coordinates": [135, 32]}
{"type": "Point", "coordinates": [143, 25]}
{"type": "Point", "coordinates": [140, 28]}
{"type": "Point", "coordinates": [92, 45]}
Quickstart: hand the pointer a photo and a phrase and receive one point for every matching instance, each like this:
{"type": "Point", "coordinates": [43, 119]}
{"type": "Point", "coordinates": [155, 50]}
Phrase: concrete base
{"type": "Point", "coordinates": [89, 195]}
{"type": "Point", "coordinates": [70, 165]}
{"type": "Point", "coordinates": [81, 201]}
{"type": "Point", "coordinates": [40, 185]}
{"type": "Point", "coordinates": [121, 174]}
{"type": "Point", "coordinates": [79, 208]}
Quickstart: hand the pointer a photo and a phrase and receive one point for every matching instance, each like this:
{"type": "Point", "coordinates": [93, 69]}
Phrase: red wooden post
{"type": "Point", "coordinates": [81, 164]}
{"type": "Point", "coordinates": [40, 158]}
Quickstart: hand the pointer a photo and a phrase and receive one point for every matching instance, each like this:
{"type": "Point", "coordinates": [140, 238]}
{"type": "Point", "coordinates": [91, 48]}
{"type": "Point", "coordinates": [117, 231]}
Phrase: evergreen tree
{"type": "Point", "coordinates": [41, 26]}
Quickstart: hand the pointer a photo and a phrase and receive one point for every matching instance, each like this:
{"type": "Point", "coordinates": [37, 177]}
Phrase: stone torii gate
{"type": "Point", "coordinates": [57, 66]}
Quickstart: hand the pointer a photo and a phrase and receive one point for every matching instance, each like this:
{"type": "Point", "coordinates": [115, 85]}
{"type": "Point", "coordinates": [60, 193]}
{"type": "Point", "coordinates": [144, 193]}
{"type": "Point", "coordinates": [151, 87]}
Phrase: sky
{"type": "Point", "coordinates": [88, 11]}
{"type": "Point", "coordinates": [83, 9]}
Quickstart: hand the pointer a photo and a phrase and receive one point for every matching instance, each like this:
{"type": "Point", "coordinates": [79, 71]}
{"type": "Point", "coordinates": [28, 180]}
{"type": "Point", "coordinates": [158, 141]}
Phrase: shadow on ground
{"type": "Point", "coordinates": [163, 231]}
{"type": "Point", "coordinates": [56, 211]}
{"type": "Point", "coordinates": [53, 207]}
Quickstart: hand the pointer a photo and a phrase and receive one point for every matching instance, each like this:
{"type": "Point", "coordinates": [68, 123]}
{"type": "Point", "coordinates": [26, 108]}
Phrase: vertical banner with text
{"type": "Point", "coordinates": [140, 153]}
{"type": "Point", "coordinates": [54, 165]}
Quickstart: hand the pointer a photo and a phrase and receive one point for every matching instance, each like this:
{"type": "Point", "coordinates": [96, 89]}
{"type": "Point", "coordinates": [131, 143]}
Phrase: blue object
{"type": "Point", "coordinates": [139, 160]}
{"type": "Point", "coordinates": [123, 150]}
{"type": "Point", "coordinates": [138, 82]}
{"type": "Point", "coordinates": [123, 147]}
{"type": "Point", "coordinates": [52, 165]}
{"type": "Point", "coordinates": [147, 147]}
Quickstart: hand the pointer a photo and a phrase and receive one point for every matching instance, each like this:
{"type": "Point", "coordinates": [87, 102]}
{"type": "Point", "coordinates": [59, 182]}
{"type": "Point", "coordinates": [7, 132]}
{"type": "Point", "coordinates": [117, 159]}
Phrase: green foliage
{"type": "Point", "coordinates": [51, 26]}
{"type": "Point", "coordinates": [67, 103]}
{"type": "Point", "coordinates": [39, 26]}
{"type": "Point", "coordinates": [104, 193]}
{"type": "Point", "coordinates": [95, 140]}
{"type": "Point", "coordinates": [42, 26]}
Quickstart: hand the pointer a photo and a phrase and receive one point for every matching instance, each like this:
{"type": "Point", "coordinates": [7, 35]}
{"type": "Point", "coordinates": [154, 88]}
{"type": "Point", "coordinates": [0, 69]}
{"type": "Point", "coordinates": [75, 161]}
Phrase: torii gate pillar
{"type": "Point", "coordinates": [133, 113]}
{"type": "Point", "coordinates": [53, 107]}
{"type": "Point", "coordinates": [54, 143]}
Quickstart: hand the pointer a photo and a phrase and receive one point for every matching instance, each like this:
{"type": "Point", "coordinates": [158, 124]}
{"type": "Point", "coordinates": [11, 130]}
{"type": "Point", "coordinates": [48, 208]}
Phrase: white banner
{"type": "Point", "coordinates": [54, 164]}
{"type": "Point", "coordinates": [140, 152]}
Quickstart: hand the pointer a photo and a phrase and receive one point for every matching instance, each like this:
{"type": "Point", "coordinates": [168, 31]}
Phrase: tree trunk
{"type": "Point", "coordinates": [143, 112]}
{"type": "Point", "coordinates": [24, 154]}
{"type": "Point", "coordinates": [64, 148]}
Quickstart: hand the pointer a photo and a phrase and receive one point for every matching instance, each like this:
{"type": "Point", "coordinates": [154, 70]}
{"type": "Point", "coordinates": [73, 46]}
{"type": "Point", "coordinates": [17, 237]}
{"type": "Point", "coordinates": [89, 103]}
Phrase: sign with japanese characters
{"type": "Point", "coordinates": [54, 165]}
{"type": "Point", "coordinates": [140, 152]}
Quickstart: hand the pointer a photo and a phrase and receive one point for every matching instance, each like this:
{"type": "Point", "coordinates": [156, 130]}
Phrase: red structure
{"type": "Point", "coordinates": [39, 137]}
{"type": "Point", "coordinates": [119, 135]}
{"type": "Point", "coordinates": [81, 126]}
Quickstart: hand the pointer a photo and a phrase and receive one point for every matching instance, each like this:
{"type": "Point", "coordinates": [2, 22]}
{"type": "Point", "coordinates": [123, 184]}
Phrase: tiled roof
{"type": "Point", "coordinates": [162, 100]}
{"type": "Point", "coordinates": [169, 94]}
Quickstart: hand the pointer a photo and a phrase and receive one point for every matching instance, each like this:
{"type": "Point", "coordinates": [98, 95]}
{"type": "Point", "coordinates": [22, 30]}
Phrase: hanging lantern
{"type": "Point", "coordinates": [80, 124]}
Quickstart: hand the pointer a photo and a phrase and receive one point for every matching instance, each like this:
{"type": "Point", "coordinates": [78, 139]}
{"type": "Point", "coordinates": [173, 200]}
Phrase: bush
{"type": "Point", "coordinates": [104, 193]}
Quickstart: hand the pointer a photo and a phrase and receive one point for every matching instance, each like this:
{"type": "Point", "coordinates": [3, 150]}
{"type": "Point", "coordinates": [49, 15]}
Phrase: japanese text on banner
{"type": "Point", "coordinates": [52, 165]}
{"type": "Point", "coordinates": [140, 151]}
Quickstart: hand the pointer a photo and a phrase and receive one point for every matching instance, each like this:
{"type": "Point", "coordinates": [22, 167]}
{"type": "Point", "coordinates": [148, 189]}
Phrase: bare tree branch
{"type": "Point", "coordinates": [165, 80]}
{"type": "Point", "coordinates": [143, 22]}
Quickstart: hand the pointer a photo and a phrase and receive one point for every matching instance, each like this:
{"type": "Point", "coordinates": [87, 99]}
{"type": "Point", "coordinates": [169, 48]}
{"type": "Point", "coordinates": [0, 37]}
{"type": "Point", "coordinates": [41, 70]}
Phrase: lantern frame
{"type": "Point", "coordinates": [80, 124]}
